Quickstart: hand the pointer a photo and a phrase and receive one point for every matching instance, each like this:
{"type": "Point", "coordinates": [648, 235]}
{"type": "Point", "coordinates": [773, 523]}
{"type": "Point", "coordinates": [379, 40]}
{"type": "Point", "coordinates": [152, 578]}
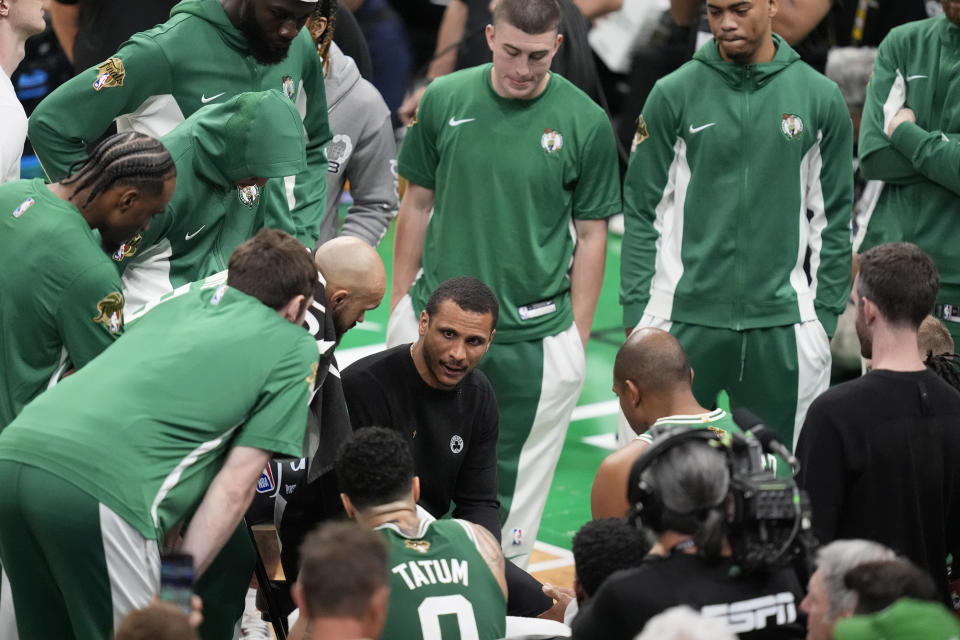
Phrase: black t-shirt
{"type": "Point", "coordinates": [761, 606]}
{"type": "Point", "coordinates": [880, 458]}
{"type": "Point", "coordinates": [881, 17]}
{"type": "Point", "coordinates": [452, 434]}
{"type": "Point", "coordinates": [106, 24]}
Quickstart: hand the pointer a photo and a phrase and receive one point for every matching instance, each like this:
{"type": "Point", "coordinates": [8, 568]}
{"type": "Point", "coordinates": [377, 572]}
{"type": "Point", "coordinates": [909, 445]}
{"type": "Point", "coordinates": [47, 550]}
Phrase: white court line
{"type": "Point", "coordinates": [595, 410]}
{"type": "Point", "coordinates": [565, 558]}
{"type": "Point", "coordinates": [606, 441]}
{"type": "Point", "coordinates": [346, 357]}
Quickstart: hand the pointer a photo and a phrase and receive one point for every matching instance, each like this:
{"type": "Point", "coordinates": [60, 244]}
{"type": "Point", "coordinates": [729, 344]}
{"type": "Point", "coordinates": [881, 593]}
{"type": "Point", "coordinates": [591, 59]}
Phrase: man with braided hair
{"type": "Point", "coordinates": [211, 383]}
{"type": "Point", "coordinates": [62, 301]}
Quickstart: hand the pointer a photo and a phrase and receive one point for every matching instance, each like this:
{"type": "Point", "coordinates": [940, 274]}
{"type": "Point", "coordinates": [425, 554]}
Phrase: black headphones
{"type": "Point", "coordinates": [645, 501]}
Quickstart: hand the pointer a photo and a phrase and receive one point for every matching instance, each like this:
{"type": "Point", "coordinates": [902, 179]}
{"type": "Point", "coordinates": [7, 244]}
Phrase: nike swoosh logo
{"type": "Point", "coordinates": [191, 235]}
{"type": "Point", "coordinates": [701, 127]}
{"type": "Point", "coordinates": [456, 123]}
{"type": "Point", "coordinates": [909, 78]}
{"type": "Point", "coordinates": [204, 99]}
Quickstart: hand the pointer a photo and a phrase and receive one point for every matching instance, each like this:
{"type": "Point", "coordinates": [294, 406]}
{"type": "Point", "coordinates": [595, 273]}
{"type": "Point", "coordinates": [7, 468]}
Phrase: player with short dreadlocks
{"type": "Point", "coordinates": [363, 151]}
{"type": "Point", "coordinates": [61, 297]}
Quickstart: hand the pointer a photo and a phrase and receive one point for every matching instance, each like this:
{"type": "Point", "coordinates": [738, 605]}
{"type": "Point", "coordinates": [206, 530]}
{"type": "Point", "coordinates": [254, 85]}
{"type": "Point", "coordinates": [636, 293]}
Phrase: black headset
{"type": "Point", "coordinates": [645, 501]}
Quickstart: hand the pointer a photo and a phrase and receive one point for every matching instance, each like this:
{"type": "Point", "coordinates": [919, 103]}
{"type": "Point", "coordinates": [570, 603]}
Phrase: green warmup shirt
{"type": "Point", "coordinates": [718, 421]}
{"type": "Point", "coordinates": [145, 427]}
{"type": "Point", "coordinates": [509, 177]}
{"type": "Point", "coordinates": [161, 76]}
{"type": "Point", "coordinates": [61, 300]}
{"type": "Point", "coordinates": [440, 585]}
{"type": "Point", "coordinates": [254, 134]}
{"type": "Point", "coordinates": [917, 67]}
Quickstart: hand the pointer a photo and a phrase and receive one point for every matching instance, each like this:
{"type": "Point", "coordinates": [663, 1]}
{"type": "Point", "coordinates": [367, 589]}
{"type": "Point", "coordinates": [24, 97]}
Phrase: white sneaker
{"type": "Point", "coordinates": [252, 624]}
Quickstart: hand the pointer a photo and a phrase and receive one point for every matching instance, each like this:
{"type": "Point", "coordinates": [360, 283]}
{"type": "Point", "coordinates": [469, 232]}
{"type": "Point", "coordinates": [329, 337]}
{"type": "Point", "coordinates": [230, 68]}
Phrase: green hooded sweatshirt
{"type": "Point", "coordinates": [254, 135]}
{"type": "Point", "coordinates": [160, 77]}
{"type": "Point", "coordinates": [738, 195]}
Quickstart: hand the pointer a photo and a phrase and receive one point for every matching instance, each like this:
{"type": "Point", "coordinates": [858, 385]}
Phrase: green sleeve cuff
{"type": "Point", "coordinates": [829, 321]}
{"type": "Point", "coordinates": [632, 312]}
{"type": "Point", "coordinates": [908, 137]}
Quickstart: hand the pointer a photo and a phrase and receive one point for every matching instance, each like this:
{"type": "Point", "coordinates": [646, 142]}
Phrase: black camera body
{"type": "Point", "coordinates": [768, 519]}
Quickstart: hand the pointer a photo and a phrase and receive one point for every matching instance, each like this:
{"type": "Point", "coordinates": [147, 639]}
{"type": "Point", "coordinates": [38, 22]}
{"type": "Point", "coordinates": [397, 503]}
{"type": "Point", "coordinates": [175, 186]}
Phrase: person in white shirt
{"type": "Point", "coordinates": [19, 19]}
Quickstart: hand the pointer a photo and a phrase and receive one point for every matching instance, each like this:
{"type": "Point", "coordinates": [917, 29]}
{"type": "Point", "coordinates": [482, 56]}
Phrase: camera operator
{"type": "Point", "coordinates": [680, 489]}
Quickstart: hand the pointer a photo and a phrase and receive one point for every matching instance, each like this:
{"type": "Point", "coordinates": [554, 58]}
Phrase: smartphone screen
{"type": "Point", "coordinates": [176, 580]}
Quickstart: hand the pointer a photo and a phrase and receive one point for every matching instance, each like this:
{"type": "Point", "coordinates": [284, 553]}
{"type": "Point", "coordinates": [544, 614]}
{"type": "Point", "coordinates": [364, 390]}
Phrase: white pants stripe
{"type": "Point", "coordinates": [133, 565]}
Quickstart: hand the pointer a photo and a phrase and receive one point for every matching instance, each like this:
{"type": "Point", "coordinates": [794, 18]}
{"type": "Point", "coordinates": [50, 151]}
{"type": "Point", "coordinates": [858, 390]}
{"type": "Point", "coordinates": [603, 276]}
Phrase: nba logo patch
{"type": "Point", "coordinates": [266, 483]}
{"type": "Point", "coordinates": [517, 536]}
{"type": "Point", "coordinates": [26, 204]}
{"type": "Point", "coordinates": [218, 294]}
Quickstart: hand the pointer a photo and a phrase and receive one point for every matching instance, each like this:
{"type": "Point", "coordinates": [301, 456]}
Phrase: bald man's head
{"type": "Point", "coordinates": [355, 279]}
{"type": "Point", "coordinates": [653, 359]}
{"type": "Point", "coordinates": [650, 372]}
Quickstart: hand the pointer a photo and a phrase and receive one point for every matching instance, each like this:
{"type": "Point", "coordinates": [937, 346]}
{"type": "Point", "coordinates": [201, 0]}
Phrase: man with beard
{"type": "Point", "coordinates": [355, 280]}
{"type": "Point", "coordinates": [908, 139]}
{"type": "Point", "coordinates": [880, 455]}
{"type": "Point", "coordinates": [62, 300]}
{"type": "Point", "coordinates": [433, 395]}
{"type": "Point", "coordinates": [207, 52]}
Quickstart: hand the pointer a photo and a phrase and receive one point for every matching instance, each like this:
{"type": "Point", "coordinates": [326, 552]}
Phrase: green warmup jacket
{"type": "Point", "coordinates": [253, 134]}
{"type": "Point", "coordinates": [160, 77]}
{"type": "Point", "coordinates": [917, 66]}
{"type": "Point", "coordinates": [739, 175]}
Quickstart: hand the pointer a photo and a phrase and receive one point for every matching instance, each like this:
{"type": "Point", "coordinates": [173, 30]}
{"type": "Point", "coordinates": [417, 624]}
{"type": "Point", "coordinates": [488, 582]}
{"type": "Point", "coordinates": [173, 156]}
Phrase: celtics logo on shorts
{"type": "Point", "coordinates": [249, 195]}
{"type": "Point", "coordinates": [456, 444]}
{"type": "Point", "coordinates": [110, 312]}
{"type": "Point", "coordinates": [791, 126]}
{"type": "Point", "coordinates": [287, 83]}
{"type": "Point", "coordinates": [551, 140]}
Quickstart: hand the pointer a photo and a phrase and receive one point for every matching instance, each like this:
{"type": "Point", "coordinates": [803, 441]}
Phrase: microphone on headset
{"type": "Point", "coordinates": [749, 421]}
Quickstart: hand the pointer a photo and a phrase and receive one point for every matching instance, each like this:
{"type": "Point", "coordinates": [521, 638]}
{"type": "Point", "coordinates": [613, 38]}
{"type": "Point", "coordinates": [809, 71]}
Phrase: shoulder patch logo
{"type": "Point", "coordinates": [26, 204]}
{"type": "Point", "coordinates": [551, 140]}
{"type": "Point", "coordinates": [417, 545]}
{"type": "Point", "coordinates": [720, 433]}
{"type": "Point", "coordinates": [312, 376]}
{"type": "Point", "coordinates": [110, 73]}
{"type": "Point", "coordinates": [414, 120]}
{"type": "Point", "coordinates": [287, 83]}
{"type": "Point", "coordinates": [338, 152]}
{"type": "Point", "coordinates": [456, 444]}
{"type": "Point", "coordinates": [641, 133]}
{"type": "Point", "coordinates": [249, 195]}
{"type": "Point", "coordinates": [791, 126]}
{"type": "Point", "coordinates": [128, 248]}
{"type": "Point", "coordinates": [110, 312]}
